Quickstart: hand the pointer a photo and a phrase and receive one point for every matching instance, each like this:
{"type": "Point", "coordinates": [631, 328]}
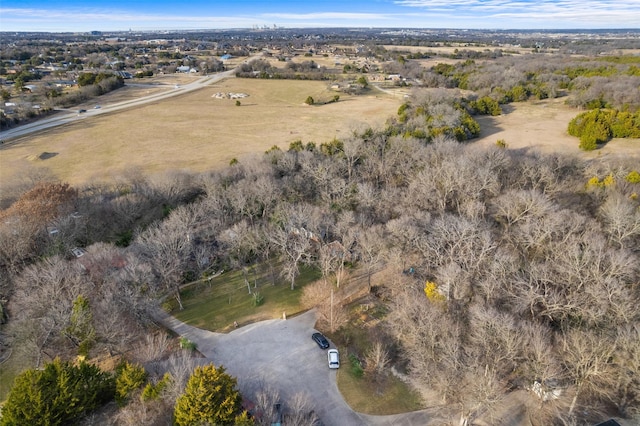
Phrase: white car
{"type": "Point", "coordinates": [334, 358]}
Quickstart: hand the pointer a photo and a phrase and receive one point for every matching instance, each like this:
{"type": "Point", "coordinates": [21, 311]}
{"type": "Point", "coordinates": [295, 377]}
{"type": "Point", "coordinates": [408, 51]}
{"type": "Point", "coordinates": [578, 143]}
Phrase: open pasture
{"type": "Point", "coordinates": [194, 131]}
{"type": "Point", "coordinates": [542, 126]}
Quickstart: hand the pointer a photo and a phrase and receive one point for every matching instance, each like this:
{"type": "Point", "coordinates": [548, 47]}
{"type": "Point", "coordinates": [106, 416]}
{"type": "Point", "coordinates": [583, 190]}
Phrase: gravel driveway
{"type": "Point", "coordinates": [281, 354]}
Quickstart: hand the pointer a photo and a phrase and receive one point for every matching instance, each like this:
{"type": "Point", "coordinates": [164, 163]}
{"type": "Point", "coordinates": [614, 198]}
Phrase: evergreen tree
{"type": "Point", "coordinates": [59, 394]}
{"type": "Point", "coordinates": [81, 329]}
{"type": "Point", "coordinates": [129, 377]}
{"type": "Point", "coordinates": [210, 397]}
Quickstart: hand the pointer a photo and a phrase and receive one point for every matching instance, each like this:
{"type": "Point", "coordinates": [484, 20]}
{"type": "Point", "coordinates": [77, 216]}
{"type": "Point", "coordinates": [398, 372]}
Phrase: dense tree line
{"type": "Point", "coordinates": [534, 271]}
{"type": "Point", "coordinates": [590, 82]}
{"type": "Point", "coordinates": [306, 70]}
{"type": "Point", "coordinates": [599, 126]}
{"type": "Point", "coordinates": [63, 393]}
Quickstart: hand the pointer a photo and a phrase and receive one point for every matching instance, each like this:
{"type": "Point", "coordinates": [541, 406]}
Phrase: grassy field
{"type": "Point", "coordinates": [194, 131]}
{"type": "Point", "coordinates": [215, 305]}
{"type": "Point", "coordinates": [390, 397]}
{"type": "Point", "coordinates": [9, 369]}
{"type": "Point", "coordinates": [542, 126]}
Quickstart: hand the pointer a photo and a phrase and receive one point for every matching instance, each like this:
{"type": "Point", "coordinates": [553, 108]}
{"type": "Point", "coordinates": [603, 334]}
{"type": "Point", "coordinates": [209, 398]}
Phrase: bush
{"type": "Point", "coordinates": [486, 106]}
{"type": "Point", "coordinates": [258, 299]}
{"type": "Point", "coordinates": [600, 125]}
{"type": "Point", "coordinates": [152, 392]}
{"type": "Point", "coordinates": [187, 344]}
{"type": "Point", "coordinates": [356, 366]}
{"type": "Point", "coordinates": [309, 100]}
{"type": "Point", "coordinates": [633, 177]}
{"type": "Point", "coordinates": [129, 377]}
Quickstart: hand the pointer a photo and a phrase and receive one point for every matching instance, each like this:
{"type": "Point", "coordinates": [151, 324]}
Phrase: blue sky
{"type": "Point", "coordinates": [115, 15]}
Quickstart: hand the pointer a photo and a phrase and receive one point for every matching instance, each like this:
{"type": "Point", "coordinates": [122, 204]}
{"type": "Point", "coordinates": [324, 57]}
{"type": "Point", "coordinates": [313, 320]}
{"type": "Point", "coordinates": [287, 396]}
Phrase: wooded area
{"type": "Point", "coordinates": [536, 267]}
{"type": "Point", "coordinates": [505, 271]}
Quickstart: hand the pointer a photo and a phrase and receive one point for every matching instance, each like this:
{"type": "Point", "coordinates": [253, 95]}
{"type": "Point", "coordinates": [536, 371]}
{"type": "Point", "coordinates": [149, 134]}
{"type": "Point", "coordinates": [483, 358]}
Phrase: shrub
{"type": "Point", "coordinates": [187, 344]}
{"type": "Point", "coordinates": [486, 106]}
{"type": "Point", "coordinates": [594, 182]}
{"type": "Point", "coordinates": [633, 177]}
{"type": "Point", "coordinates": [151, 391]}
{"type": "Point", "coordinates": [356, 366]}
{"type": "Point", "coordinates": [609, 180]}
{"type": "Point", "coordinates": [600, 125]}
{"type": "Point", "coordinates": [258, 299]}
{"type": "Point", "coordinates": [432, 293]}
{"type": "Point", "coordinates": [309, 100]}
{"type": "Point", "coordinates": [129, 377]}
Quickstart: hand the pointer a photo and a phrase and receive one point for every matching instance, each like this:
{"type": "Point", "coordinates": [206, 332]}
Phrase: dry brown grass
{"type": "Point", "coordinates": [542, 125]}
{"type": "Point", "coordinates": [198, 132]}
{"type": "Point", "coordinates": [194, 131]}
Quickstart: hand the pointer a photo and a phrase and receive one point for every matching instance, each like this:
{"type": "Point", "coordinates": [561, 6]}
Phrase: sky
{"type": "Point", "coordinates": [147, 15]}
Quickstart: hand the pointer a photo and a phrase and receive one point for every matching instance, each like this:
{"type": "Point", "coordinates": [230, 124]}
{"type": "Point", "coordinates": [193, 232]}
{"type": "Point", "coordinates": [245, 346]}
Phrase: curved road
{"type": "Point", "coordinates": [60, 119]}
{"type": "Point", "coordinates": [281, 354]}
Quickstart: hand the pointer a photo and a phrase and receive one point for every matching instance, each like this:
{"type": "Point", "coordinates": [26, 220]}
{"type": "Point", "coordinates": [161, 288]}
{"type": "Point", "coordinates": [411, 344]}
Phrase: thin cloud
{"type": "Point", "coordinates": [59, 19]}
{"type": "Point", "coordinates": [328, 15]}
{"type": "Point", "coordinates": [525, 7]}
{"type": "Point", "coordinates": [546, 12]}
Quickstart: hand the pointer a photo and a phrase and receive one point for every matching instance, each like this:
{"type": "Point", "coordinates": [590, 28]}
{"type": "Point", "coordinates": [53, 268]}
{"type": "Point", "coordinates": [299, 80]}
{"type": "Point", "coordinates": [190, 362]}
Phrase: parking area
{"type": "Point", "coordinates": [282, 355]}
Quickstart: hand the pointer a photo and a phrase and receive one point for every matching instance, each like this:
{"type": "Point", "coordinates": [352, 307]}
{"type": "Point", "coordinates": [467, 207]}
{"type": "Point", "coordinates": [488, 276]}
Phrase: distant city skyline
{"type": "Point", "coordinates": [149, 15]}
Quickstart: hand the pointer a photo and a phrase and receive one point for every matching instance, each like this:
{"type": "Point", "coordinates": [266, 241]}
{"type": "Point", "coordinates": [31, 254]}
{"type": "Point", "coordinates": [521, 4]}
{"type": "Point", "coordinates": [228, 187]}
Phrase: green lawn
{"type": "Point", "coordinates": [8, 372]}
{"type": "Point", "coordinates": [388, 396]}
{"type": "Point", "coordinates": [215, 305]}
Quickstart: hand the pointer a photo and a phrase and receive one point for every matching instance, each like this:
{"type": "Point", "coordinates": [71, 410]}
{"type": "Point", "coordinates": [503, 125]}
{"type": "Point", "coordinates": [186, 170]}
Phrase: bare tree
{"type": "Point", "coordinates": [515, 206]}
{"type": "Point", "coordinates": [328, 303]}
{"type": "Point", "coordinates": [370, 247]}
{"type": "Point", "coordinates": [241, 243]}
{"type": "Point", "coordinates": [588, 358]}
{"type": "Point", "coordinates": [180, 366]}
{"type": "Point", "coordinates": [294, 243]}
{"type": "Point", "coordinates": [300, 411]}
{"type": "Point", "coordinates": [622, 218]}
{"type": "Point", "coordinates": [265, 399]}
{"type": "Point", "coordinates": [152, 348]}
{"type": "Point", "coordinates": [168, 247]}
{"type": "Point", "coordinates": [41, 307]}
{"type": "Point", "coordinates": [627, 374]}
{"type": "Point", "coordinates": [377, 358]}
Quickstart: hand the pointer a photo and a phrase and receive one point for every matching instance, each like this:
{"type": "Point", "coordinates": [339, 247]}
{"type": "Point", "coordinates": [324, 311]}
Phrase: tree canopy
{"type": "Point", "coordinates": [210, 397]}
{"type": "Point", "coordinates": [59, 394]}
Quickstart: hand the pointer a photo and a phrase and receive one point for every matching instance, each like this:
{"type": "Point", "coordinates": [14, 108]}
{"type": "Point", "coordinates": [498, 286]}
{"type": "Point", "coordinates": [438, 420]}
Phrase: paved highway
{"type": "Point", "coordinates": [70, 117]}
